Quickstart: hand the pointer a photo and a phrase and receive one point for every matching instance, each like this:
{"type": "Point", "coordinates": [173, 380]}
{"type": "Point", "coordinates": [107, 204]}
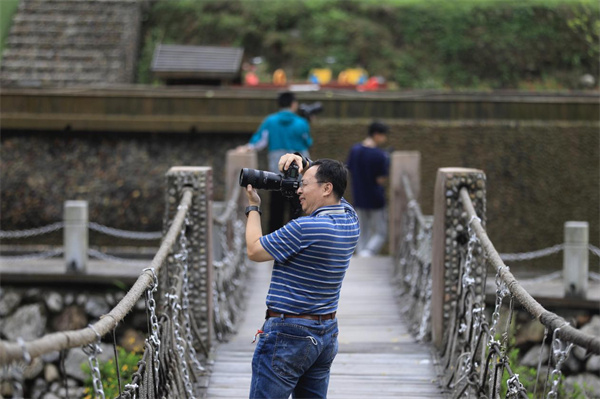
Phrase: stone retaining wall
{"type": "Point", "coordinates": [539, 175]}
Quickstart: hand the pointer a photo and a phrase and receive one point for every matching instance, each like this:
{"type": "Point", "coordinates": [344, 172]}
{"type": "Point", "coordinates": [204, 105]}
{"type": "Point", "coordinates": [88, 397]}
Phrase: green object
{"type": "Point", "coordinates": [7, 10]}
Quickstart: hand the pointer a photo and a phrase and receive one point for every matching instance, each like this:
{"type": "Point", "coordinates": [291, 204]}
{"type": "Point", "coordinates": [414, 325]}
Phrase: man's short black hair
{"type": "Point", "coordinates": [378, 127]}
{"type": "Point", "coordinates": [286, 99]}
{"type": "Point", "coordinates": [334, 172]}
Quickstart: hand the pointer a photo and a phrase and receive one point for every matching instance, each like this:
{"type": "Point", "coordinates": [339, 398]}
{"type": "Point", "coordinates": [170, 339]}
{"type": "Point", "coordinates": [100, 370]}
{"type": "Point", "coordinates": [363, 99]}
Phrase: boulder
{"type": "Point", "coordinates": [587, 382]}
{"type": "Point", "coordinates": [71, 318]}
{"type": "Point", "coordinates": [28, 323]}
{"type": "Point", "coordinates": [9, 300]}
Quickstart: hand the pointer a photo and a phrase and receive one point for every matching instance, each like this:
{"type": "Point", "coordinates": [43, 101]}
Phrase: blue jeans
{"type": "Point", "coordinates": [293, 356]}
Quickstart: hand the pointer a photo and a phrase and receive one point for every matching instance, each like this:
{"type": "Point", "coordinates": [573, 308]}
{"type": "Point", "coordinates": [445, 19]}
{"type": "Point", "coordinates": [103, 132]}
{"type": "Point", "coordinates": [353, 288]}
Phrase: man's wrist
{"type": "Point", "coordinates": [253, 208]}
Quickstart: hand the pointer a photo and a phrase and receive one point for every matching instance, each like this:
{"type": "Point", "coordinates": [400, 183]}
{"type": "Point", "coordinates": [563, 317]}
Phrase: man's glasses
{"type": "Point", "coordinates": [303, 183]}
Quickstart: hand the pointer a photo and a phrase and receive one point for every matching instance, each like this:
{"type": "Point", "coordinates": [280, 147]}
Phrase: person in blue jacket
{"type": "Point", "coordinates": [282, 132]}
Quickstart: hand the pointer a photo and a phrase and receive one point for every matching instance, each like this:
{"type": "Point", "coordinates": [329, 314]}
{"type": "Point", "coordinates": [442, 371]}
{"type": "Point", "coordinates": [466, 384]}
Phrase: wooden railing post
{"type": "Point", "coordinates": [450, 233]}
{"type": "Point", "coordinates": [75, 236]}
{"type": "Point", "coordinates": [199, 242]}
{"type": "Point", "coordinates": [402, 163]}
{"type": "Point", "coordinates": [575, 259]}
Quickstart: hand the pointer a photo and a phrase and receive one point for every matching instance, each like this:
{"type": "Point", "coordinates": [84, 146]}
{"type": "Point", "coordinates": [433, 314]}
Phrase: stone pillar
{"type": "Point", "coordinates": [403, 163]}
{"type": "Point", "coordinates": [237, 160]}
{"type": "Point", "coordinates": [75, 236]}
{"type": "Point", "coordinates": [575, 259]}
{"type": "Point", "coordinates": [450, 236]}
{"type": "Point", "coordinates": [199, 242]}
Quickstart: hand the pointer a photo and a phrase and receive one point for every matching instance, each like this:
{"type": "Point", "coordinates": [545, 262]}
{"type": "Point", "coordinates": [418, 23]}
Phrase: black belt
{"type": "Point", "coordinates": [328, 316]}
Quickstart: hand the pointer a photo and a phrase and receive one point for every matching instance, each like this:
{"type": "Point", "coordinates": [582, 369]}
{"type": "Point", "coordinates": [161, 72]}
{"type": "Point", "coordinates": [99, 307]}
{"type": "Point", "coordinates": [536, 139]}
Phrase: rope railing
{"type": "Point", "coordinates": [10, 352]}
{"type": "Point", "coordinates": [413, 266]}
{"type": "Point", "coordinates": [110, 231]}
{"type": "Point", "coordinates": [473, 352]}
{"type": "Point", "coordinates": [547, 318]}
{"type": "Point", "coordinates": [230, 269]}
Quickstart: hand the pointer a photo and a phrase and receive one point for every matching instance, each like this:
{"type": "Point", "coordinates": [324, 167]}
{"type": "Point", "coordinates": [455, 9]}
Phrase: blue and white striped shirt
{"type": "Point", "coordinates": [312, 254]}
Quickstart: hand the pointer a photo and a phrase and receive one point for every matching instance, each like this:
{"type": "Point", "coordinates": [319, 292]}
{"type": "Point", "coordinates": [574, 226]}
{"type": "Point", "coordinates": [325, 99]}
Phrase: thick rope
{"type": "Point", "coordinates": [547, 318]}
{"type": "Point", "coordinates": [10, 351]}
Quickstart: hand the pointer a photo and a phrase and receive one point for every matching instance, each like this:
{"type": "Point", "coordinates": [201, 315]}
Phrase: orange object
{"type": "Point", "coordinates": [279, 77]}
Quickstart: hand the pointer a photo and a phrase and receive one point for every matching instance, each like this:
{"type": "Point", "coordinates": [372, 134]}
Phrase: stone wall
{"type": "Point", "coordinates": [29, 312]}
{"type": "Point", "coordinates": [539, 175]}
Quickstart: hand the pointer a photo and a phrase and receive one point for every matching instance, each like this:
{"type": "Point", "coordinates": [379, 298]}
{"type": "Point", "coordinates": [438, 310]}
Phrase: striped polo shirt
{"type": "Point", "coordinates": [311, 255]}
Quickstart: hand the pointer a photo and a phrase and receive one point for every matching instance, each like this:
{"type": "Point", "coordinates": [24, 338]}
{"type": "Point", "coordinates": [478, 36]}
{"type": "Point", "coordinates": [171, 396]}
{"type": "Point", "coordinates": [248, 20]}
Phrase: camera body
{"type": "Point", "coordinates": [287, 182]}
{"type": "Point", "coordinates": [308, 110]}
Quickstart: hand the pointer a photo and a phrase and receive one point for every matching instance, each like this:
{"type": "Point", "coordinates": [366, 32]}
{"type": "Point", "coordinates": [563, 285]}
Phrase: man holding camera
{"type": "Point", "coordinates": [298, 341]}
{"type": "Point", "coordinates": [283, 132]}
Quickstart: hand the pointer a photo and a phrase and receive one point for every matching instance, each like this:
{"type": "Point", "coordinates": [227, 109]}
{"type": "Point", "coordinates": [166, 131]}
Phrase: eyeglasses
{"type": "Point", "coordinates": [303, 183]}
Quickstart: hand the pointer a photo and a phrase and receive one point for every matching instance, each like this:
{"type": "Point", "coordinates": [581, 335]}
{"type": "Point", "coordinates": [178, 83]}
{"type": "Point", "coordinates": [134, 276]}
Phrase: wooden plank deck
{"type": "Point", "coordinates": [378, 357]}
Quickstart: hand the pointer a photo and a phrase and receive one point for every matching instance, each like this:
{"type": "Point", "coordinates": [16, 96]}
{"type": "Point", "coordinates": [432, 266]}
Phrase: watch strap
{"type": "Point", "coordinates": [253, 208]}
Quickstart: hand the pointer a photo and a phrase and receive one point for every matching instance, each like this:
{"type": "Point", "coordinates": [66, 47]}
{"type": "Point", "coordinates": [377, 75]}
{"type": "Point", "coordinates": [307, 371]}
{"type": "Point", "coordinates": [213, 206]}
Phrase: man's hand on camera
{"type": "Point", "coordinates": [286, 160]}
{"type": "Point", "coordinates": [253, 197]}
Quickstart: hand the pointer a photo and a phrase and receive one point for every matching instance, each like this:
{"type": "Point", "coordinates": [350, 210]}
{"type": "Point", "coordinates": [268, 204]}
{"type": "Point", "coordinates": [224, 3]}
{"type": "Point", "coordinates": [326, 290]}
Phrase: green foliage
{"type": "Point", "coordinates": [7, 10]}
{"type": "Point", "coordinates": [128, 364]}
{"type": "Point", "coordinates": [435, 44]}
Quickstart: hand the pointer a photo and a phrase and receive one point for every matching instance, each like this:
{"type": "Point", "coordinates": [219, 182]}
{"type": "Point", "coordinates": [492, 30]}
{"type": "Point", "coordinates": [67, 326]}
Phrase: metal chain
{"type": "Point", "coordinates": [94, 253]}
{"type": "Point", "coordinates": [560, 352]}
{"type": "Point", "coordinates": [39, 255]}
{"type": "Point", "coordinates": [133, 235]}
{"type": "Point", "coordinates": [182, 257]}
{"type": "Point", "coordinates": [515, 257]}
{"type": "Point", "coordinates": [594, 250]}
{"type": "Point", "coordinates": [32, 232]}
{"type": "Point", "coordinates": [154, 338]}
{"type": "Point", "coordinates": [92, 350]}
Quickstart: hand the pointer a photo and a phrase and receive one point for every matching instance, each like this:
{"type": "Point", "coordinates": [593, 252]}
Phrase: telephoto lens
{"type": "Point", "coordinates": [260, 179]}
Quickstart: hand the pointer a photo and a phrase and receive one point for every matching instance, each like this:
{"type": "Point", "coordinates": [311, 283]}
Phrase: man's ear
{"type": "Point", "coordinates": [328, 188]}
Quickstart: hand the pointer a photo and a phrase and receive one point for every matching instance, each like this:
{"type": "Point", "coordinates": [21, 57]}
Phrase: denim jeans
{"type": "Point", "coordinates": [293, 356]}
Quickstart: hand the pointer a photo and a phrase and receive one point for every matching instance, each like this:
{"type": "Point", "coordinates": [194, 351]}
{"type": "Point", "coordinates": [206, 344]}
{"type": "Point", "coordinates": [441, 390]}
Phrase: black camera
{"type": "Point", "coordinates": [307, 110]}
{"type": "Point", "coordinates": [287, 182]}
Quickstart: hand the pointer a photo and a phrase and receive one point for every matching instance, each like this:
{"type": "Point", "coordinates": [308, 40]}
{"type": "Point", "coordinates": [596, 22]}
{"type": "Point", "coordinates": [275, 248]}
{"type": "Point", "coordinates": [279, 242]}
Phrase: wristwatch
{"type": "Point", "coordinates": [253, 208]}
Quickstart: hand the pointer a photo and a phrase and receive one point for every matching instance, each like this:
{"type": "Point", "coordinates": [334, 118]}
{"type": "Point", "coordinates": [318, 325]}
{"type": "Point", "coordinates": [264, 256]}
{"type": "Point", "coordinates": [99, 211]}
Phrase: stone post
{"type": "Point", "coordinates": [75, 236]}
{"type": "Point", "coordinates": [199, 242]}
{"type": "Point", "coordinates": [450, 236]}
{"type": "Point", "coordinates": [235, 162]}
{"type": "Point", "coordinates": [402, 163]}
{"type": "Point", "coordinates": [575, 259]}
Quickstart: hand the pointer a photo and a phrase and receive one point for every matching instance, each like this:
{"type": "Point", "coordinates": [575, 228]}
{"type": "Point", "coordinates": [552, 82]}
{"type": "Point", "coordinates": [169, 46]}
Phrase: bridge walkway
{"type": "Point", "coordinates": [378, 357]}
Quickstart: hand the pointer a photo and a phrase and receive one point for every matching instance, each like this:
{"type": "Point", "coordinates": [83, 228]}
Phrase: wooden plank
{"type": "Point", "coordinates": [377, 358]}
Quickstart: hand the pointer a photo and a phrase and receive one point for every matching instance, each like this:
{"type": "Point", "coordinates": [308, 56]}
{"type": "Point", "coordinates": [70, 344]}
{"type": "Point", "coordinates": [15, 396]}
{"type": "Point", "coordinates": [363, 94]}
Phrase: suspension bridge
{"type": "Point", "coordinates": [412, 325]}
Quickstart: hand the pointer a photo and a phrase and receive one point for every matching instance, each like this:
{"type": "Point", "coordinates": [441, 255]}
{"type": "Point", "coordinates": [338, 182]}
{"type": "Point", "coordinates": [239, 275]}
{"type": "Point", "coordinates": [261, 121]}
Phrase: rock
{"type": "Point", "coordinates": [51, 357]}
{"type": "Point", "coordinates": [51, 373]}
{"type": "Point", "coordinates": [572, 365]}
{"type": "Point", "coordinates": [591, 328]}
{"type": "Point", "coordinates": [75, 359]}
{"type": "Point", "coordinates": [531, 358]}
{"type": "Point", "coordinates": [50, 395]}
{"type": "Point", "coordinates": [9, 302]}
{"type": "Point", "coordinates": [28, 322]}
{"type": "Point", "coordinates": [587, 81]}
{"type": "Point", "coordinates": [593, 364]}
{"type": "Point", "coordinates": [132, 340]}
{"type": "Point", "coordinates": [81, 299]}
{"type": "Point", "coordinates": [96, 306]}
{"type": "Point", "coordinates": [33, 369]}
{"type": "Point", "coordinates": [71, 318]}
{"type": "Point", "coordinates": [588, 382]}
{"type": "Point", "coordinates": [39, 388]}
{"type": "Point", "coordinates": [69, 299]}
{"type": "Point", "coordinates": [6, 389]}
{"type": "Point", "coordinates": [54, 302]}
{"type": "Point", "coordinates": [533, 331]}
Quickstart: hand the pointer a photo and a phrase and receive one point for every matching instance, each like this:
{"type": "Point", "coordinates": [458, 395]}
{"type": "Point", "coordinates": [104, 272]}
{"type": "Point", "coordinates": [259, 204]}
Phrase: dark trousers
{"type": "Point", "coordinates": [282, 210]}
